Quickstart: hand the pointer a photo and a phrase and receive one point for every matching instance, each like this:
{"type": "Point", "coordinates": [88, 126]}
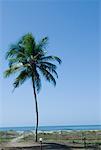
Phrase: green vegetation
{"type": "Point", "coordinates": [7, 136]}
{"type": "Point", "coordinates": [29, 59]}
{"type": "Point", "coordinates": [70, 138]}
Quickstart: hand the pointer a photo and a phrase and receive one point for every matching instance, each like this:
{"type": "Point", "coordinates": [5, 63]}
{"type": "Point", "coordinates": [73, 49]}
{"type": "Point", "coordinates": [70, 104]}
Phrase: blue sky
{"type": "Point", "coordinates": [73, 31]}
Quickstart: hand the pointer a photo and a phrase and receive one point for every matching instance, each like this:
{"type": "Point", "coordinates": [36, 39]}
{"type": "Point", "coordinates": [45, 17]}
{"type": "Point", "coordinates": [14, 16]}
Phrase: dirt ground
{"type": "Point", "coordinates": [46, 146]}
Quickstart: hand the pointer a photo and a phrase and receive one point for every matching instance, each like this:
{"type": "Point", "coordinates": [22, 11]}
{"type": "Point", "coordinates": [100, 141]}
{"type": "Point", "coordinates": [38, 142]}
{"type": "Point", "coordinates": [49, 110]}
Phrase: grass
{"type": "Point", "coordinates": [7, 136]}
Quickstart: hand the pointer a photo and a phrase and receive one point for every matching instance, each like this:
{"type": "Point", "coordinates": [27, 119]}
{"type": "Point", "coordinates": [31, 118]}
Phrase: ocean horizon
{"type": "Point", "coordinates": [53, 128]}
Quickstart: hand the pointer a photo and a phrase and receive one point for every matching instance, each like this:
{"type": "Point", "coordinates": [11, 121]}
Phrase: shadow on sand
{"type": "Point", "coordinates": [45, 146]}
{"type": "Point", "coordinates": [55, 146]}
{"type": "Point", "coordinates": [51, 146]}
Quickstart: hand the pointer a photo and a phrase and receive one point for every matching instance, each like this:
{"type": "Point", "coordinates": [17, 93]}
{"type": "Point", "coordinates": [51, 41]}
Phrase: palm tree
{"type": "Point", "coordinates": [29, 60]}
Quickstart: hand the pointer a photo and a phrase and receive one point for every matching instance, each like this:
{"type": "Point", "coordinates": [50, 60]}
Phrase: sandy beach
{"type": "Point", "coordinates": [51, 140]}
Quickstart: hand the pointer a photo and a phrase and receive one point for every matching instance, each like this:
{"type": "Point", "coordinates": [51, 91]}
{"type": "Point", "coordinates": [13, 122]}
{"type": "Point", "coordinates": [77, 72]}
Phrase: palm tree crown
{"type": "Point", "coordinates": [29, 59]}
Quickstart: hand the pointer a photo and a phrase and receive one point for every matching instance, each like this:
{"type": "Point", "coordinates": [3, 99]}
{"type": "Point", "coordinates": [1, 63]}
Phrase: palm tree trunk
{"type": "Point", "coordinates": [37, 116]}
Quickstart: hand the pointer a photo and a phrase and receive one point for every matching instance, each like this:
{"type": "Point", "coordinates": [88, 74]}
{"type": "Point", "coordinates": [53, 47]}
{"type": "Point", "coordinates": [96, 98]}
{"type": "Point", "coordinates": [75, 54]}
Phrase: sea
{"type": "Point", "coordinates": [53, 128]}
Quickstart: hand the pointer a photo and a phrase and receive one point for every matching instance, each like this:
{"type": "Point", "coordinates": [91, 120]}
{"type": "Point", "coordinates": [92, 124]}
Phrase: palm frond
{"type": "Point", "coordinates": [21, 78]}
{"type": "Point", "coordinates": [50, 68]}
{"type": "Point", "coordinates": [43, 42]}
{"type": "Point", "coordinates": [49, 77]}
{"type": "Point", "coordinates": [12, 70]}
{"type": "Point", "coordinates": [51, 65]}
{"type": "Point", "coordinates": [11, 52]}
{"type": "Point", "coordinates": [28, 43]}
{"type": "Point", "coordinates": [41, 46]}
{"type": "Point", "coordinates": [12, 61]}
{"type": "Point", "coordinates": [52, 58]}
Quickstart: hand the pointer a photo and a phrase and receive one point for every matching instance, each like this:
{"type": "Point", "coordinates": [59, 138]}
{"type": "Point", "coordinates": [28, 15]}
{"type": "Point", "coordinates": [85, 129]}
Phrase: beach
{"type": "Point", "coordinates": [69, 139]}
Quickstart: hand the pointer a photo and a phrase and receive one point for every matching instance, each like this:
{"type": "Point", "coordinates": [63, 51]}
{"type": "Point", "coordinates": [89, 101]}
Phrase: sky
{"type": "Point", "coordinates": [73, 28]}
